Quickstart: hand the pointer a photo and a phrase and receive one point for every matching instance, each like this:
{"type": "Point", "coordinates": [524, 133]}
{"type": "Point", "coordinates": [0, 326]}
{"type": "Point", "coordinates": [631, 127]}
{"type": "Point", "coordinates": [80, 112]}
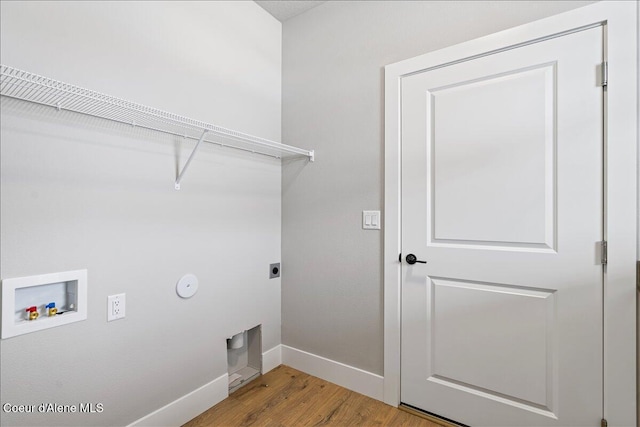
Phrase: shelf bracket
{"type": "Point", "coordinates": [186, 165]}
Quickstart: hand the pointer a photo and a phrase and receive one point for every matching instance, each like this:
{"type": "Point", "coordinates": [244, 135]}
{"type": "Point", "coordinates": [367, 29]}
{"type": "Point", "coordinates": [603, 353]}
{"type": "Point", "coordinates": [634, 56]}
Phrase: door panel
{"type": "Point", "coordinates": [502, 196]}
{"type": "Point", "coordinates": [479, 309]}
{"type": "Point", "coordinates": [508, 131]}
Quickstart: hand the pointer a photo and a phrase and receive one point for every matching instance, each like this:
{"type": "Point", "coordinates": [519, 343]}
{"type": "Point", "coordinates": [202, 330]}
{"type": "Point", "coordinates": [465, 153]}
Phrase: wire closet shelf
{"type": "Point", "coordinates": [26, 86]}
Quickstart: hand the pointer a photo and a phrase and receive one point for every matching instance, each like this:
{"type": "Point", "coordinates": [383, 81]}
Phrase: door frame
{"type": "Point", "coordinates": [621, 163]}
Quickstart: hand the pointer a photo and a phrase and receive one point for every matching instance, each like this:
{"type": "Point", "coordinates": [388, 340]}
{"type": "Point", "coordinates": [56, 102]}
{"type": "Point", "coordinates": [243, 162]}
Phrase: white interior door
{"type": "Point", "coordinates": [502, 196]}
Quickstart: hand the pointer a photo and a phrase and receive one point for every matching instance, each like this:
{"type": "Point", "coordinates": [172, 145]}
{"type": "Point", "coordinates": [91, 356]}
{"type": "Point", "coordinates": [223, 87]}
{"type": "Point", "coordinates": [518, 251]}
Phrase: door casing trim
{"type": "Point", "coordinates": [621, 142]}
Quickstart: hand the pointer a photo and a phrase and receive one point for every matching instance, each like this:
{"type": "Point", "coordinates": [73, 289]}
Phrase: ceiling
{"type": "Point", "coordinates": [283, 10]}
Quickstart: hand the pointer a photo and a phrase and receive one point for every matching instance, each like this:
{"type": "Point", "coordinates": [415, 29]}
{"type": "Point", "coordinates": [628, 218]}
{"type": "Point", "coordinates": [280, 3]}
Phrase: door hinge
{"type": "Point", "coordinates": [638, 275]}
{"type": "Point", "coordinates": [603, 423]}
{"type": "Point", "coordinates": [604, 73]}
{"type": "Point", "coordinates": [603, 252]}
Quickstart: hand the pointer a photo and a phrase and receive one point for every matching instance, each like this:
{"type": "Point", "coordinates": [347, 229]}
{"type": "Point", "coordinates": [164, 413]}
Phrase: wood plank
{"type": "Point", "coordinates": [426, 416]}
{"type": "Point", "coordinates": [226, 412]}
{"type": "Point", "coordinates": [287, 397]}
{"type": "Point", "coordinates": [274, 402]}
{"type": "Point", "coordinates": [311, 405]}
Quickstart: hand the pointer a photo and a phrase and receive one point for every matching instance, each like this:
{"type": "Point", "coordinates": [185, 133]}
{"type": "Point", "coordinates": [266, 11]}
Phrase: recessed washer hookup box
{"type": "Point", "coordinates": [44, 301]}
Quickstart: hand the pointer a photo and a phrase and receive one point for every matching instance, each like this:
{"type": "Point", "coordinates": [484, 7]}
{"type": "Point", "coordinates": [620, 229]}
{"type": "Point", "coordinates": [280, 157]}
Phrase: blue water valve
{"type": "Point", "coordinates": [51, 309]}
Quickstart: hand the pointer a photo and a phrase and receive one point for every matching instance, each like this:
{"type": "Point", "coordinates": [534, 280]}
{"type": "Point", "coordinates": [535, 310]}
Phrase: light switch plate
{"type": "Point", "coordinates": [371, 220]}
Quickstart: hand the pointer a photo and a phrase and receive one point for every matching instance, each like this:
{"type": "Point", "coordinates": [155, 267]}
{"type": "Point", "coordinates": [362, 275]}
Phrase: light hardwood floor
{"type": "Point", "coordinates": [288, 397]}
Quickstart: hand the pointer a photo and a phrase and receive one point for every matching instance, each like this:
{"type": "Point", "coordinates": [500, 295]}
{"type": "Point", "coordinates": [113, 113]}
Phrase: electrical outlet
{"type": "Point", "coordinates": [115, 307]}
{"type": "Point", "coordinates": [274, 270]}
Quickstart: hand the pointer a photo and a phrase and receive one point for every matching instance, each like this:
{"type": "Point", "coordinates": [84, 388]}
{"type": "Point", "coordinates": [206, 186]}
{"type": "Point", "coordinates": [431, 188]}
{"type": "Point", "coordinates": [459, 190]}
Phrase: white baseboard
{"type": "Point", "coordinates": [188, 406]}
{"type": "Point", "coordinates": [196, 402]}
{"type": "Point", "coordinates": [355, 379]}
{"type": "Point", "coordinates": [271, 359]}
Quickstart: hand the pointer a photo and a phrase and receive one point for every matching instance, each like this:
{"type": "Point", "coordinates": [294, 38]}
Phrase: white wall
{"type": "Point", "coordinates": [80, 193]}
{"type": "Point", "coordinates": [333, 101]}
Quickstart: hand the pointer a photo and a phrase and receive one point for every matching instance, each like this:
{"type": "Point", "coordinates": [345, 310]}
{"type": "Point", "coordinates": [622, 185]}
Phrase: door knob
{"type": "Point", "coordinates": [411, 259]}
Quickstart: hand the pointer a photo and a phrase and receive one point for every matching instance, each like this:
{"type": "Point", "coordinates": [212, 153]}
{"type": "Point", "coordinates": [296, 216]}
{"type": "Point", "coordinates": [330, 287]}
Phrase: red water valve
{"type": "Point", "coordinates": [33, 312]}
